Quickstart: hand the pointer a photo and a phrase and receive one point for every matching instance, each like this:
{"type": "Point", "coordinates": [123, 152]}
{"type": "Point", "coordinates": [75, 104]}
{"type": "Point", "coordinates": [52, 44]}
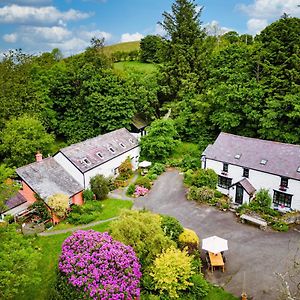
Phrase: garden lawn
{"type": "Point", "coordinates": [111, 208]}
{"type": "Point", "coordinates": [135, 66]}
{"type": "Point", "coordinates": [50, 247]}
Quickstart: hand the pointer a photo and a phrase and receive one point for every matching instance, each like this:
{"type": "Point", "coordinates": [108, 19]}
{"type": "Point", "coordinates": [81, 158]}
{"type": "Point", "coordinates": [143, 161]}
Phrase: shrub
{"type": "Point", "coordinates": [188, 177]}
{"type": "Point", "coordinates": [157, 168]}
{"type": "Point", "coordinates": [280, 226]}
{"type": "Point", "coordinates": [200, 287]}
{"type": "Point", "coordinates": [188, 238]}
{"type": "Point", "coordinates": [130, 189]}
{"type": "Point", "coordinates": [171, 227]}
{"type": "Point", "coordinates": [144, 181]}
{"type": "Point", "coordinates": [115, 276]}
{"type": "Point", "coordinates": [203, 194]}
{"type": "Point", "coordinates": [111, 183]}
{"type": "Point", "coordinates": [142, 231]}
{"type": "Point", "coordinates": [41, 210]}
{"type": "Point", "coordinates": [190, 162]}
{"type": "Point", "coordinates": [59, 203]}
{"type": "Point", "coordinates": [205, 177]}
{"type": "Point", "coordinates": [171, 271]}
{"type": "Point", "coordinates": [125, 169]}
{"type": "Point", "coordinates": [151, 176]}
{"type": "Point", "coordinates": [99, 186]}
{"type": "Point", "coordinates": [88, 195]}
{"type": "Point", "coordinates": [262, 200]}
{"type": "Point", "coordinates": [218, 194]}
{"type": "Point", "coordinates": [140, 191]}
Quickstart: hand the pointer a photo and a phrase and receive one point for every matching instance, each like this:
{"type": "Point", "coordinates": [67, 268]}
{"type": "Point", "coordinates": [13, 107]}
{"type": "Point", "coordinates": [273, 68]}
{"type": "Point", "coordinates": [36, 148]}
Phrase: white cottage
{"type": "Point", "coordinates": [99, 155]}
{"type": "Point", "coordinates": [245, 165]}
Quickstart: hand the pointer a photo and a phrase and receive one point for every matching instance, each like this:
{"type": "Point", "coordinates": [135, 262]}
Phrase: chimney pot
{"type": "Point", "coordinates": [38, 157]}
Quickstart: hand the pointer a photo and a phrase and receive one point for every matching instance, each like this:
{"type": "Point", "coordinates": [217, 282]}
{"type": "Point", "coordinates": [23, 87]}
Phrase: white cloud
{"type": "Point", "coordinates": [127, 37]}
{"type": "Point", "coordinates": [15, 14]}
{"type": "Point", "coordinates": [256, 25]}
{"type": "Point", "coordinates": [214, 28]}
{"type": "Point", "coordinates": [270, 9]}
{"type": "Point", "coordinates": [88, 35]}
{"type": "Point", "coordinates": [46, 38]}
{"type": "Point", "coordinates": [10, 38]}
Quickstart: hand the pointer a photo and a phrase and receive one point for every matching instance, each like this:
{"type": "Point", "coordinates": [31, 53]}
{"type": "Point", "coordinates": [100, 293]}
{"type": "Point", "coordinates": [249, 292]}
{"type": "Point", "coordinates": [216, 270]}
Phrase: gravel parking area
{"type": "Point", "coordinates": [253, 254]}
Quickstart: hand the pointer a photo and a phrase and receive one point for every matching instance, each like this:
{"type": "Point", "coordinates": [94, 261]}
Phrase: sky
{"type": "Point", "coordinates": [37, 26]}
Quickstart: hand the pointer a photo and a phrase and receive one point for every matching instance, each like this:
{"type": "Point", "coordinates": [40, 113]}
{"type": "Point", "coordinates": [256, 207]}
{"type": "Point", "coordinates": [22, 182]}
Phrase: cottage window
{"type": "Point", "coordinates": [116, 171]}
{"type": "Point", "coordinates": [225, 167]}
{"type": "Point", "coordinates": [224, 182]}
{"type": "Point", "coordinates": [246, 173]}
{"type": "Point", "coordinates": [99, 155]}
{"type": "Point", "coordinates": [284, 199]}
{"type": "Point", "coordinates": [111, 149]}
{"type": "Point", "coordinates": [85, 161]}
{"type": "Point", "coordinates": [284, 182]}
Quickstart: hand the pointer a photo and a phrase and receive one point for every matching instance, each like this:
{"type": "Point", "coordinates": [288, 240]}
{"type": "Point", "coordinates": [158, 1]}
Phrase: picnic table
{"type": "Point", "coordinates": [216, 260]}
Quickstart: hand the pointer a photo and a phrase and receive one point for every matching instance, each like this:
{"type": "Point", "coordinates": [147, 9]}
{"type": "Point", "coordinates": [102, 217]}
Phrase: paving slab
{"type": "Point", "coordinates": [253, 254]}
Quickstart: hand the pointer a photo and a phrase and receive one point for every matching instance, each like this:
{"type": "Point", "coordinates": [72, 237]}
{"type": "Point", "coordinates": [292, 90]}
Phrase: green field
{"type": "Point", "coordinates": [134, 67]}
{"type": "Point", "coordinates": [124, 47]}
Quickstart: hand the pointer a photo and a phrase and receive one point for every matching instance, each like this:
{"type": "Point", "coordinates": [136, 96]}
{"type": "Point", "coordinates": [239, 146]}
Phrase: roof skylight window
{"type": "Point", "coordinates": [85, 161]}
{"type": "Point", "coordinates": [99, 155]}
{"type": "Point", "coordinates": [263, 162]}
{"type": "Point", "coordinates": [122, 145]}
{"type": "Point", "coordinates": [111, 149]}
{"type": "Point", "coordinates": [131, 141]}
{"type": "Point", "coordinates": [298, 170]}
{"type": "Point", "coordinates": [237, 156]}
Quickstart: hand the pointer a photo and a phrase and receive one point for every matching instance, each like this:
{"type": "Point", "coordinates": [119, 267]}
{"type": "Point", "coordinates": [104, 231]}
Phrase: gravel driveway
{"type": "Point", "coordinates": [253, 254]}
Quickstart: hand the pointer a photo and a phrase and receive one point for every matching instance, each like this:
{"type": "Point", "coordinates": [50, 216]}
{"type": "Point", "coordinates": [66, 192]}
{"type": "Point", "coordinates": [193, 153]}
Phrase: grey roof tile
{"type": "Point", "coordinates": [48, 177]}
{"type": "Point", "coordinates": [282, 159]}
{"type": "Point", "coordinates": [120, 140]}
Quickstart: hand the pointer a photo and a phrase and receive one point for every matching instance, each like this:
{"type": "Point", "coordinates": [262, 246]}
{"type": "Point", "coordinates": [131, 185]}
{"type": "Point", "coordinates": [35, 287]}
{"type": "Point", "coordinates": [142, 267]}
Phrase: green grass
{"type": "Point", "coordinates": [124, 47]}
{"type": "Point", "coordinates": [111, 208]}
{"type": "Point", "coordinates": [217, 293]}
{"type": "Point", "coordinates": [128, 67]}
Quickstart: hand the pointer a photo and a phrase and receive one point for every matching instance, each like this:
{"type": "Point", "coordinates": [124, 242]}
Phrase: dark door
{"type": "Point", "coordinates": [239, 194]}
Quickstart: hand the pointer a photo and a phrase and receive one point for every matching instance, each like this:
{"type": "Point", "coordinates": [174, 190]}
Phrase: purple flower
{"type": "Point", "coordinates": [100, 266]}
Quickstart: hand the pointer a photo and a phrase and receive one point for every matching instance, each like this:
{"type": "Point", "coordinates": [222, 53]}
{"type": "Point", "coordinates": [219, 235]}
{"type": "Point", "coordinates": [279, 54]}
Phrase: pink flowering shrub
{"type": "Point", "coordinates": [140, 191]}
{"type": "Point", "coordinates": [100, 266]}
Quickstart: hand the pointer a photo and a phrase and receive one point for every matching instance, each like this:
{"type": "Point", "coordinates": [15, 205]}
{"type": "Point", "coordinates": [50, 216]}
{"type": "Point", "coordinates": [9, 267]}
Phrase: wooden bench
{"type": "Point", "coordinates": [262, 224]}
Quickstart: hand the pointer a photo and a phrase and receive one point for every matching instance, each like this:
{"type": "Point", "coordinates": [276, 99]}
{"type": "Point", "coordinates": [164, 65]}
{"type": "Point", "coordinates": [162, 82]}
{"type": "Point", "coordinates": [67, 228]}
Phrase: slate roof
{"type": "Point", "coordinates": [47, 177]}
{"type": "Point", "coordinates": [14, 201]}
{"type": "Point", "coordinates": [120, 140]}
{"type": "Point", "coordinates": [281, 159]}
{"type": "Point", "coordinates": [139, 122]}
{"type": "Point", "coordinates": [248, 187]}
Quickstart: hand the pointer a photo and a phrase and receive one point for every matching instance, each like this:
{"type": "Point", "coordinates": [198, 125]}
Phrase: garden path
{"type": "Point", "coordinates": [48, 233]}
{"type": "Point", "coordinates": [121, 192]}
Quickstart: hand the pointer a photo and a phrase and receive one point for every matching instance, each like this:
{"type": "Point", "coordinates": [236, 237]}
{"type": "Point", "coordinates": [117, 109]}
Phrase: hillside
{"type": "Point", "coordinates": [124, 47]}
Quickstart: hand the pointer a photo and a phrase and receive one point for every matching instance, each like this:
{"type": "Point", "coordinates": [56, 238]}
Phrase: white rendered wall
{"type": "Point", "coordinates": [69, 167]}
{"type": "Point", "coordinates": [107, 169]}
{"type": "Point", "coordinates": [258, 179]}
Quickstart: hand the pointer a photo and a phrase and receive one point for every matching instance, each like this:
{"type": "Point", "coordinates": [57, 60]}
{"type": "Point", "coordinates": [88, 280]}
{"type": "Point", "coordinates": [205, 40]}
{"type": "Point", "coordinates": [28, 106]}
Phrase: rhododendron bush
{"type": "Point", "coordinates": [100, 266]}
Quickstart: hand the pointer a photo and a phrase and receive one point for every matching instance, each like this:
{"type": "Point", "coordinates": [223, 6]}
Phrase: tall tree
{"type": "Point", "coordinates": [280, 73]}
{"type": "Point", "coordinates": [150, 48]}
{"type": "Point", "coordinates": [22, 138]}
{"type": "Point", "coordinates": [182, 50]}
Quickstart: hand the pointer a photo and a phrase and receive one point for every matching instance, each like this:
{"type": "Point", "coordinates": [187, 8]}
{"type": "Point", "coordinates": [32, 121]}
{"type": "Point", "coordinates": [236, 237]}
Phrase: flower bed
{"type": "Point", "coordinates": [99, 266]}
